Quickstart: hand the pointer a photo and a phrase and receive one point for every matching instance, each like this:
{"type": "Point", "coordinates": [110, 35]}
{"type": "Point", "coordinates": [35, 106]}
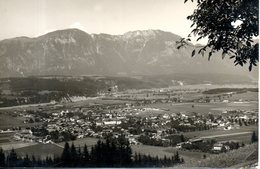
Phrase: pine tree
{"type": "Point", "coordinates": [34, 162]}
{"type": "Point", "coordinates": [26, 161]}
{"type": "Point", "coordinates": [254, 137]}
{"type": "Point", "coordinates": [177, 157]}
{"type": "Point", "coordinates": [39, 162]}
{"type": "Point", "coordinates": [12, 159]}
{"type": "Point", "coordinates": [66, 155]}
{"type": "Point", "coordinates": [73, 154]}
{"type": "Point", "coordinates": [85, 155]}
{"type": "Point", "coordinates": [182, 138]}
{"type": "Point", "coordinates": [2, 158]}
{"type": "Point", "coordinates": [79, 157]}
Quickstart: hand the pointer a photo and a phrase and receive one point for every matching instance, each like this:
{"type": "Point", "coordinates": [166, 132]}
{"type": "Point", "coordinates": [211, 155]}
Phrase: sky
{"type": "Point", "coordinates": [32, 18]}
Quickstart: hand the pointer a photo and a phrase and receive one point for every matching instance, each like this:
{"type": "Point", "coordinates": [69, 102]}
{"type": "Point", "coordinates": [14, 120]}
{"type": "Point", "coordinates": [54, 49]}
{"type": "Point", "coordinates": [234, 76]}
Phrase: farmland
{"type": "Point", "coordinates": [228, 159]}
{"type": "Point", "coordinates": [40, 150]}
{"type": "Point", "coordinates": [154, 114]}
{"type": "Point", "coordinates": [202, 107]}
{"type": "Point", "coordinates": [81, 142]}
{"type": "Point", "coordinates": [242, 138]}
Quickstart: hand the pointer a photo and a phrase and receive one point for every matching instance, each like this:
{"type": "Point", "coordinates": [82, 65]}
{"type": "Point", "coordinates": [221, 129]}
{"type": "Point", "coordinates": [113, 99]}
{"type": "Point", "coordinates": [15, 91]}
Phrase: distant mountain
{"type": "Point", "coordinates": [74, 52]}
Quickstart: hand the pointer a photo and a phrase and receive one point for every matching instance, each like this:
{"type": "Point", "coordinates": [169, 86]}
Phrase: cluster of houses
{"type": "Point", "coordinates": [115, 120]}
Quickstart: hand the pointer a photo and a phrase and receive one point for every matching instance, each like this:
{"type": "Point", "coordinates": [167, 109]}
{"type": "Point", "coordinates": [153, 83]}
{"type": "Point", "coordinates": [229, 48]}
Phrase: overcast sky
{"type": "Point", "coordinates": [36, 17]}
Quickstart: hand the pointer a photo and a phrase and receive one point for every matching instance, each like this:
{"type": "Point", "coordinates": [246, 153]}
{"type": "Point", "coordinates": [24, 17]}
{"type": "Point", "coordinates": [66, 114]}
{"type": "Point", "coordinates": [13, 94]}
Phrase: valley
{"type": "Point", "coordinates": [155, 120]}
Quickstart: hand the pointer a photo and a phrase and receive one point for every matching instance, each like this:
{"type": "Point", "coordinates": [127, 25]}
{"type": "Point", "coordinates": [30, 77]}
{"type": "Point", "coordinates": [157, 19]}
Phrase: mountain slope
{"type": "Point", "coordinates": [74, 52]}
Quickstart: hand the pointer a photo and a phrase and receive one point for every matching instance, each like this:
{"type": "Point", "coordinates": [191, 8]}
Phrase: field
{"type": "Point", "coordinates": [188, 156]}
{"type": "Point", "coordinates": [8, 121]}
{"type": "Point", "coordinates": [96, 101]}
{"type": "Point", "coordinates": [220, 131]}
{"type": "Point", "coordinates": [40, 151]}
{"type": "Point", "coordinates": [242, 137]}
{"type": "Point", "coordinates": [43, 150]}
{"type": "Point", "coordinates": [202, 107]}
{"type": "Point", "coordinates": [191, 157]}
{"type": "Point", "coordinates": [252, 96]}
{"type": "Point", "coordinates": [16, 145]}
{"type": "Point", "coordinates": [81, 142]}
{"type": "Point", "coordinates": [152, 150]}
{"type": "Point", "coordinates": [229, 159]}
{"type": "Point", "coordinates": [6, 137]}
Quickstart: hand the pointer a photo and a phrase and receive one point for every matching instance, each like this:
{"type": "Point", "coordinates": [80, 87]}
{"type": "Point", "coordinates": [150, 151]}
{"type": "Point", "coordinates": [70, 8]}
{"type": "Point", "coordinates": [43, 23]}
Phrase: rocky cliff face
{"type": "Point", "coordinates": [74, 52]}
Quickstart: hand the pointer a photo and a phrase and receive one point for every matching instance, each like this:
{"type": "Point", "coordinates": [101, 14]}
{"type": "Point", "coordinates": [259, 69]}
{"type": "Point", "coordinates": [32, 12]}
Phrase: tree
{"type": "Point", "coordinates": [240, 122]}
{"type": "Point", "coordinates": [66, 155]}
{"type": "Point", "coordinates": [182, 138]}
{"type": "Point", "coordinates": [2, 158]}
{"type": "Point", "coordinates": [73, 154]}
{"type": "Point", "coordinates": [85, 154]}
{"type": "Point", "coordinates": [177, 157]}
{"type": "Point", "coordinates": [33, 161]}
{"type": "Point", "coordinates": [12, 159]}
{"type": "Point", "coordinates": [26, 161]}
{"type": "Point", "coordinates": [254, 137]}
{"type": "Point", "coordinates": [230, 26]}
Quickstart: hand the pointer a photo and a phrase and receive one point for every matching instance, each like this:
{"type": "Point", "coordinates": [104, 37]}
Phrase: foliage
{"type": "Point", "coordinates": [171, 140]}
{"type": "Point", "coordinates": [113, 152]}
{"type": "Point", "coordinates": [254, 138]}
{"type": "Point", "coordinates": [201, 146]}
{"type": "Point", "coordinates": [228, 90]}
{"type": "Point", "coordinates": [208, 145]}
{"type": "Point", "coordinates": [230, 26]}
{"type": "Point", "coordinates": [228, 159]}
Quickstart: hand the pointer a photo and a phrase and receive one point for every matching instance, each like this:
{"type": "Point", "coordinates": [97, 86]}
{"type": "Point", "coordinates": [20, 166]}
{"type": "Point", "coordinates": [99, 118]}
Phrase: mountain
{"type": "Point", "coordinates": [74, 52]}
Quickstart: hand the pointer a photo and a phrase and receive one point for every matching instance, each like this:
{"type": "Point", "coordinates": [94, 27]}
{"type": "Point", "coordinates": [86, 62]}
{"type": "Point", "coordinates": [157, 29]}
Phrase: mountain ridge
{"type": "Point", "coordinates": [75, 52]}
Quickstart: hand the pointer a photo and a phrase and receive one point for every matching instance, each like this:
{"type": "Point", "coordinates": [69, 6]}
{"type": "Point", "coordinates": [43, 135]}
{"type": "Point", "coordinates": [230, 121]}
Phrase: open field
{"type": "Point", "coordinates": [24, 106]}
{"type": "Point", "coordinates": [5, 137]}
{"type": "Point", "coordinates": [96, 101]}
{"type": "Point", "coordinates": [253, 96]}
{"type": "Point", "coordinates": [231, 158]}
{"type": "Point", "coordinates": [245, 138]}
{"type": "Point", "coordinates": [16, 145]}
{"type": "Point", "coordinates": [152, 150]}
{"type": "Point", "coordinates": [43, 150]}
{"type": "Point", "coordinates": [212, 107]}
{"type": "Point", "coordinates": [9, 121]}
{"type": "Point", "coordinates": [219, 131]}
{"type": "Point", "coordinates": [81, 142]}
{"type": "Point", "coordinates": [241, 135]}
{"type": "Point", "coordinates": [12, 124]}
{"type": "Point", "coordinates": [188, 156]}
{"type": "Point", "coordinates": [40, 151]}
{"type": "Point", "coordinates": [200, 107]}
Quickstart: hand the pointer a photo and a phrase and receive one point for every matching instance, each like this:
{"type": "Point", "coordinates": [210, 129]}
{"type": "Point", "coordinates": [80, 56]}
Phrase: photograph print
{"type": "Point", "coordinates": [129, 83]}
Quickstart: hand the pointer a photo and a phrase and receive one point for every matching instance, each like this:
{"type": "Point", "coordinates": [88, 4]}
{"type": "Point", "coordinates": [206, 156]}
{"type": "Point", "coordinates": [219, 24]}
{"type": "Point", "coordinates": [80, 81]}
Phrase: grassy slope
{"type": "Point", "coordinates": [228, 159]}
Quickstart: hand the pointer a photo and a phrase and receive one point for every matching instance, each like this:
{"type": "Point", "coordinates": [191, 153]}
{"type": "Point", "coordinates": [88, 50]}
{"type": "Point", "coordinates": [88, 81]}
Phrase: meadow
{"type": "Point", "coordinates": [89, 141]}
{"type": "Point", "coordinates": [245, 136]}
{"type": "Point", "coordinates": [229, 159]}
{"type": "Point", "coordinates": [202, 107]}
{"type": "Point", "coordinates": [40, 151]}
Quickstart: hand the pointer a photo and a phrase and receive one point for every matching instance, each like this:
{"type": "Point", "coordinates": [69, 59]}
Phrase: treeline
{"type": "Point", "coordinates": [33, 90]}
{"type": "Point", "coordinates": [109, 153]}
{"type": "Point", "coordinates": [178, 126]}
{"type": "Point", "coordinates": [171, 140]}
{"type": "Point", "coordinates": [56, 136]}
{"type": "Point", "coordinates": [208, 145]}
{"type": "Point", "coordinates": [228, 90]}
